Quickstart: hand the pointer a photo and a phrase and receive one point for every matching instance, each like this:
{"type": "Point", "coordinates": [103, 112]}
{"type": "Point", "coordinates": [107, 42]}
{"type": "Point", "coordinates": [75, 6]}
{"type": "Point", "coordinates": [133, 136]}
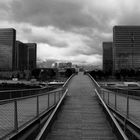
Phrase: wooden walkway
{"type": "Point", "coordinates": [81, 117]}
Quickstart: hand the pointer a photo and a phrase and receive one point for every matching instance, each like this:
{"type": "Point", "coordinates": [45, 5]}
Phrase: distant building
{"type": "Point", "coordinates": [108, 56]}
{"type": "Point", "coordinates": [126, 50]}
{"type": "Point", "coordinates": [69, 65]}
{"type": "Point", "coordinates": [7, 49]}
{"type": "Point", "coordinates": [32, 54]}
{"type": "Point", "coordinates": [55, 65]}
{"type": "Point", "coordinates": [21, 56]}
{"type": "Point", "coordinates": [65, 65]}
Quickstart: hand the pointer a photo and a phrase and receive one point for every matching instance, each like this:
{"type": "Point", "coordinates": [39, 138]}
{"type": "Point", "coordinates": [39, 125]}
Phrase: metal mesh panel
{"type": "Point", "coordinates": [106, 96]}
{"type": "Point", "coordinates": [51, 99]}
{"type": "Point", "coordinates": [134, 110]}
{"type": "Point", "coordinates": [43, 103]}
{"type": "Point", "coordinates": [27, 109]}
{"type": "Point", "coordinates": [112, 99]}
{"type": "Point", "coordinates": [121, 101]}
{"type": "Point", "coordinates": [57, 96]}
{"type": "Point", "coordinates": [6, 118]}
{"type": "Point", "coordinates": [121, 104]}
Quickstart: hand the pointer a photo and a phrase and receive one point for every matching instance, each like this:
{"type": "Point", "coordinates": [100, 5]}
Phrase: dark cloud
{"type": "Point", "coordinates": [78, 26]}
{"type": "Point", "coordinates": [62, 14]}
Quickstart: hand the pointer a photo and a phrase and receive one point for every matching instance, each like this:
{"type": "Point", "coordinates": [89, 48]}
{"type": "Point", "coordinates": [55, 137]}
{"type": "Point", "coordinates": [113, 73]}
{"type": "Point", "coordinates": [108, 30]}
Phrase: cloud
{"type": "Point", "coordinates": [68, 29]}
{"type": "Point", "coordinates": [64, 14]}
{"type": "Point", "coordinates": [62, 55]}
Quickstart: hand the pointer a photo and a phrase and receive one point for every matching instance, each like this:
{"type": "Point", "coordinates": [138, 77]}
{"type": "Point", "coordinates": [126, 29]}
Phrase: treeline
{"type": "Point", "coordinates": [47, 74]}
{"type": "Point", "coordinates": [99, 74]}
{"type": "Point", "coordinates": [123, 74]}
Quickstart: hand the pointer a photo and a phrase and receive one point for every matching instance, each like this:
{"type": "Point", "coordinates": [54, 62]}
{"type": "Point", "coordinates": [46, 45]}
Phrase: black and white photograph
{"type": "Point", "coordinates": [69, 70]}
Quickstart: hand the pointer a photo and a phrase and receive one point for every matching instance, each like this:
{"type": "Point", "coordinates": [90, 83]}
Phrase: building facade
{"type": "Point", "coordinates": [126, 48]}
{"type": "Point", "coordinates": [21, 56]}
{"type": "Point", "coordinates": [108, 57]}
{"type": "Point", "coordinates": [32, 54]}
{"type": "Point", "coordinates": [7, 49]}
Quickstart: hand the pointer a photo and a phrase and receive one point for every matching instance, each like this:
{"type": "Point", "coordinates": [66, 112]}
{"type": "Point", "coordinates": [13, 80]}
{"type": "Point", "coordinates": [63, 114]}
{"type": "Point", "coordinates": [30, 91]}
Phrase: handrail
{"type": "Point", "coordinates": [124, 137]}
{"type": "Point", "coordinates": [131, 126]}
{"type": "Point", "coordinates": [65, 84]}
{"type": "Point", "coordinates": [49, 121]}
{"type": "Point", "coordinates": [117, 126]}
{"type": "Point", "coordinates": [50, 101]}
{"type": "Point", "coordinates": [94, 80]}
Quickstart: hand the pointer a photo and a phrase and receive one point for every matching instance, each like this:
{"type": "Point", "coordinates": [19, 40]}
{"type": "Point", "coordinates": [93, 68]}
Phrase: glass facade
{"type": "Point", "coordinates": [126, 48]}
{"type": "Point", "coordinates": [32, 47]}
{"type": "Point", "coordinates": [21, 56]}
{"type": "Point", "coordinates": [7, 49]}
{"type": "Point", "coordinates": [107, 57]}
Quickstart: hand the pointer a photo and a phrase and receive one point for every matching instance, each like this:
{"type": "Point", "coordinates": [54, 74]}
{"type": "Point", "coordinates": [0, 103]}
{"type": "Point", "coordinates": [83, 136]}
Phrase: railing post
{"type": "Point", "coordinates": [59, 95]}
{"type": "Point", "coordinates": [127, 109]}
{"type": "Point", "coordinates": [108, 97]}
{"type": "Point", "coordinates": [127, 112]}
{"type": "Point", "coordinates": [54, 97]}
{"type": "Point", "coordinates": [37, 106]}
{"type": "Point", "coordinates": [103, 95]}
{"type": "Point", "coordinates": [15, 116]}
{"type": "Point", "coordinates": [115, 101]}
{"type": "Point", "coordinates": [48, 100]}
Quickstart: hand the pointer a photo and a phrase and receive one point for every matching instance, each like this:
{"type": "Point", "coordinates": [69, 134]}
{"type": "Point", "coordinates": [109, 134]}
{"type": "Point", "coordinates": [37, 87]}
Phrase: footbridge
{"type": "Point", "coordinates": [81, 110]}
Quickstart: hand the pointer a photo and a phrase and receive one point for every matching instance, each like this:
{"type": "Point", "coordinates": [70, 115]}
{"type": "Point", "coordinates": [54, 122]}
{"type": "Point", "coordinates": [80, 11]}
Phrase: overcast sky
{"type": "Point", "coordinates": [70, 30]}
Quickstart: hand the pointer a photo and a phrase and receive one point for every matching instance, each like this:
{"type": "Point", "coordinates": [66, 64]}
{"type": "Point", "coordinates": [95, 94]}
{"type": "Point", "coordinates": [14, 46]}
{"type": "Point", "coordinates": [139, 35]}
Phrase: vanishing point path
{"type": "Point", "coordinates": [81, 117]}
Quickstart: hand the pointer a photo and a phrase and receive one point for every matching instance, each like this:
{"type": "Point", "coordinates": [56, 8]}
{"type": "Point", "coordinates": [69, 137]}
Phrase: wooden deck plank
{"type": "Point", "coordinates": [81, 117]}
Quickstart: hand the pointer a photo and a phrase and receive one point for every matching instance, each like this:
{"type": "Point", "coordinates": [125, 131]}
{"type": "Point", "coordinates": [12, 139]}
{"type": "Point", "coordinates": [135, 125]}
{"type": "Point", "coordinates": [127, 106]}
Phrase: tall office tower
{"type": "Point", "coordinates": [21, 56]}
{"type": "Point", "coordinates": [108, 57]}
{"type": "Point", "coordinates": [126, 51]}
{"type": "Point", "coordinates": [7, 49]}
{"type": "Point", "coordinates": [32, 50]}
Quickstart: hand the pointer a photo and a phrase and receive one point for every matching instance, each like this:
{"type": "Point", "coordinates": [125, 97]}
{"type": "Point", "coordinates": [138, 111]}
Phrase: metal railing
{"type": "Point", "coordinates": [18, 112]}
{"type": "Point", "coordinates": [115, 126]}
{"type": "Point", "coordinates": [45, 130]}
{"type": "Point", "coordinates": [126, 105]}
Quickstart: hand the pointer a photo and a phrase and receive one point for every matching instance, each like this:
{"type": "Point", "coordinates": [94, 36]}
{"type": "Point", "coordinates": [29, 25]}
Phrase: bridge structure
{"type": "Point", "coordinates": [81, 110]}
